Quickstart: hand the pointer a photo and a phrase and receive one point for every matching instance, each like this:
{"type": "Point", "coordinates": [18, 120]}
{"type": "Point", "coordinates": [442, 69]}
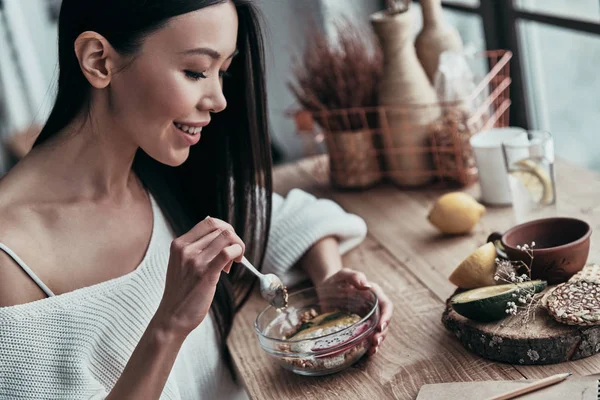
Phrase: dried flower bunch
{"type": "Point", "coordinates": [454, 131]}
{"type": "Point", "coordinates": [525, 298]}
{"type": "Point", "coordinates": [338, 74]}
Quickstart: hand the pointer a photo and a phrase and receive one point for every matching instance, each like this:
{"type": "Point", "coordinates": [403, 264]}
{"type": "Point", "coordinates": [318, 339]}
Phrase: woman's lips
{"type": "Point", "coordinates": [192, 130]}
{"type": "Point", "coordinates": [191, 138]}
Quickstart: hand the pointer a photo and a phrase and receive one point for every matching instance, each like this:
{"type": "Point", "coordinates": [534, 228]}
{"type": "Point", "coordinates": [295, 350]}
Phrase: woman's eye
{"type": "Point", "coordinates": [195, 75]}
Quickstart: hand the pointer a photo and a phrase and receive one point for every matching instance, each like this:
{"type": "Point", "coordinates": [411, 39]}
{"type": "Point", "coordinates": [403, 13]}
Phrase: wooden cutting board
{"type": "Point", "coordinates": [541, 341]}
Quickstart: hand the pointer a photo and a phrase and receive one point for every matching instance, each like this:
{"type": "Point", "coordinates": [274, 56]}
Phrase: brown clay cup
{"type": "Point", "coordinates": [562, 246]}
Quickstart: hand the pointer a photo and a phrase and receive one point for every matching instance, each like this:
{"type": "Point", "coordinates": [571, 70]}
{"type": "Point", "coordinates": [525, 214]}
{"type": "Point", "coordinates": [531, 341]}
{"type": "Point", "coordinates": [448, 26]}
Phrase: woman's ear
{"type": "Point", "coordinates": [96, 58]}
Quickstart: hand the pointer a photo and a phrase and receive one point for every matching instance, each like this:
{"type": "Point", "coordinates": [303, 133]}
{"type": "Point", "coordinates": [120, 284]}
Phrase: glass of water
{"type": "Point", "coordinates": [530, 167]}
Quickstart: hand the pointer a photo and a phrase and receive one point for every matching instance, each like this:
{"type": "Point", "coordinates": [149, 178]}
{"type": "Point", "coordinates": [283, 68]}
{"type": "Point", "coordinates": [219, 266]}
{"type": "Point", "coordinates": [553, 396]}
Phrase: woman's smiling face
{"type": "Point", "coordinates": [167, 94]}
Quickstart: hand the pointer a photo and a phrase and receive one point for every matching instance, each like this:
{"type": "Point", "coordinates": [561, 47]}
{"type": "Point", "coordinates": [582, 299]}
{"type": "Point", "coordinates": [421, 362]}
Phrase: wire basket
{"type": "Point", "coordinates": [361, 147]}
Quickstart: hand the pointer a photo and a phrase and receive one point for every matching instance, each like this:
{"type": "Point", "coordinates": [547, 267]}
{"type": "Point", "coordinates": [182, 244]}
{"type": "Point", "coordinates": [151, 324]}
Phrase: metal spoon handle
{"type": "Point", "coordinates": [249, 265]}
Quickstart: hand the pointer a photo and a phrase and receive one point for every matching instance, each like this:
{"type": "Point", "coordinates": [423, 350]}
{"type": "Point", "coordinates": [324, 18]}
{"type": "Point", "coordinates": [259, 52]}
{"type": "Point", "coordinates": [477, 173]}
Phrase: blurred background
{"type": "Point", "coordinates": [555, 79]}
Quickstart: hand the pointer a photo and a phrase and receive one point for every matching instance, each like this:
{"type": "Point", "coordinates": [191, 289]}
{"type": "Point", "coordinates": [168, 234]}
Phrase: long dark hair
{"type": "Point", "coordinates": [228, 175]}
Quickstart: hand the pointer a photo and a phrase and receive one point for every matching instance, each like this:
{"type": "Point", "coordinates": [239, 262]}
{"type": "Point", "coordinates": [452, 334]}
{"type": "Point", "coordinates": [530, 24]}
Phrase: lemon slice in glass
{"type": "Point", "coordinates": [535, 179]}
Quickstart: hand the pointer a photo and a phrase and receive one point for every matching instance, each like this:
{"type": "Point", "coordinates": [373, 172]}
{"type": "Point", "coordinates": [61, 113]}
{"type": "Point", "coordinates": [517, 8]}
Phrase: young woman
{"type": "Point", "coordinates": [120, 229]}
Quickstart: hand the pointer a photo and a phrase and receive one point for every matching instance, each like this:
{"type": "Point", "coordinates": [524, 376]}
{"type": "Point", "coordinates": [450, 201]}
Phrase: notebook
{"type": "Point", "coordinates": [572, 388]}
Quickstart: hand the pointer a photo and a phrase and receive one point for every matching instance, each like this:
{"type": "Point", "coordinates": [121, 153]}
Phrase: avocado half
{"type": "Point", "coordinates": [489, 303]}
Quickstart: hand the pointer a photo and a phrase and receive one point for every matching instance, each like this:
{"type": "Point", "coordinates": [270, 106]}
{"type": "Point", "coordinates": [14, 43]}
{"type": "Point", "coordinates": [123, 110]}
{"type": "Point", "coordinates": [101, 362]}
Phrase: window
{"type": "Point", "coordinates": [555, 45]}
{"type": "Point", "coordinates": [588, 10]}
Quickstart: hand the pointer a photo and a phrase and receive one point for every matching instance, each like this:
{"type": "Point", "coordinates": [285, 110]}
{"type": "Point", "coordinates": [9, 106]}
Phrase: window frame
{"type": "Point", "coordinates": [500, 19]}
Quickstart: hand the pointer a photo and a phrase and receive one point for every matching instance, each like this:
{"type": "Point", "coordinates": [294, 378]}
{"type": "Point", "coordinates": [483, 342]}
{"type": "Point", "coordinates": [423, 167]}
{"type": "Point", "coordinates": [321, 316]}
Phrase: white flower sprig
{"type": "Point", "coordinates": [524, 296]}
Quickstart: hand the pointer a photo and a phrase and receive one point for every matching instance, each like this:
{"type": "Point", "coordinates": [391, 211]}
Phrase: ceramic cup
{"type": "Point", "coordinates": [493, 178]}
{"type": "Point", "coordinates": [562, 246]}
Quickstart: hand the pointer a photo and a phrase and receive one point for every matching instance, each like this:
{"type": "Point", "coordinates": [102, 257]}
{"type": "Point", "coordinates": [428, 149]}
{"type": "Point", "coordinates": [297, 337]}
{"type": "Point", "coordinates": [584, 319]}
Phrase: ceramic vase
{"type": "Point", "coordinates": [408, 102]}
{"type": "Point", "coordinates": [436, 37]}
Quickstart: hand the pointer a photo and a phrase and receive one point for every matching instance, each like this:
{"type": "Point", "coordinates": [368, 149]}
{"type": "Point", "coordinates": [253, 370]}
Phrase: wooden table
{"type": "Point", "coordinates": [411, 261]}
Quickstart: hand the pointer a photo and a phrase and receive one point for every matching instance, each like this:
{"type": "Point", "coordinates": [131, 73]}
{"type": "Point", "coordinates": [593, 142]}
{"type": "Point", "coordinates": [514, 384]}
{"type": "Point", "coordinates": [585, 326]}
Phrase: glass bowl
{"type": "Point", "coordinates": [326, 352]}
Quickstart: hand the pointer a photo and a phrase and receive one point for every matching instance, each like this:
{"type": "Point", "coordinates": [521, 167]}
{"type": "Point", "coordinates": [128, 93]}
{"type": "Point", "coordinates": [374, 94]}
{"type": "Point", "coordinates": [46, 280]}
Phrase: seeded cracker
{"type": "Point", "coordinates": [577, 302]}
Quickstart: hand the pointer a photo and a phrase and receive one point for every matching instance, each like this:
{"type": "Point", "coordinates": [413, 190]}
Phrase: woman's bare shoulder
{"type": "Point", "coordinates": [20, 232]}
{"type": "Point", "coordinates": [15, 286]}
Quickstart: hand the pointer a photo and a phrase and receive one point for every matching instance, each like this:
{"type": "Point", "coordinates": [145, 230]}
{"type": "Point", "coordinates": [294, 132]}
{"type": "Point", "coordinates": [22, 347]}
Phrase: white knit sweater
{"type": "Point", "coordinates": [75, 345]}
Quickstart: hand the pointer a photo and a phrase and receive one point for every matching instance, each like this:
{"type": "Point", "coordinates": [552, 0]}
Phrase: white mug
{"type": "Point", "coordinates": [493, 178]}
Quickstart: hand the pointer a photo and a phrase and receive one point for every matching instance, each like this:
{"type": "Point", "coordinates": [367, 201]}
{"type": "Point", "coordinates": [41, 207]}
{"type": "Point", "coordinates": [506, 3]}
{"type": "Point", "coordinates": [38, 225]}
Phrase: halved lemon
{"type": "Point", "coordinates": [535, 179]}
{"type": "Point", "coordinates": [477, 270]}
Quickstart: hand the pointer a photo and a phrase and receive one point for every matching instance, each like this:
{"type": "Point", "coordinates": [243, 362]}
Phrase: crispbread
{"type": "Point", "coordinates": [589, 273]}
{"type": "Point", "coordinates": [576, 302]}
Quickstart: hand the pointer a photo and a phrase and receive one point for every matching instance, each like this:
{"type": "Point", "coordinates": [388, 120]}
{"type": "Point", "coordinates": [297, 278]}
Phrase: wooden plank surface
{"type": "Point", "coordinates": [407, 256]}
{"type": "Point", "coordinates": [397, 219]}
{"type": "Point", "coordinates": [417, 340]}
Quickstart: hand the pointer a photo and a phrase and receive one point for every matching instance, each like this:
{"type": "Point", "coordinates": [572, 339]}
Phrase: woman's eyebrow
{"type": "Point", "coordinates": [209, 52]}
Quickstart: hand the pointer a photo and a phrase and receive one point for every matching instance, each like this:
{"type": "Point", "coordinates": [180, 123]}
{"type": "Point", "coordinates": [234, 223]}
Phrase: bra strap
{"type": "Point", "coordinates": [27, 270]}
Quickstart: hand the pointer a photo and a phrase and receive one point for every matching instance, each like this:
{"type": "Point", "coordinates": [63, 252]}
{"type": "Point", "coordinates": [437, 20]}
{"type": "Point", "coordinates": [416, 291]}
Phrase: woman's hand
{"type": "Point", "coordinates": [195, 264]}
{"type": "Point", "coordinates": [358, 280]}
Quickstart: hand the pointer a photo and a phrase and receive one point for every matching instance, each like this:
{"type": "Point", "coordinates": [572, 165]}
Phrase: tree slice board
{"type": "Point", "coordinates": [541, 340]}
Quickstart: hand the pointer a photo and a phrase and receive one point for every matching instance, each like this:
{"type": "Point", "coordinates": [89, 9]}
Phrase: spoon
{"type": "Point", "coordinates": [271, 287]}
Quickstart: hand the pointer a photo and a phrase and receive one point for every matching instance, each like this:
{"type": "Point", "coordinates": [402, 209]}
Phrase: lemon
{"type": "Point", "coordinates": [477, 270]}
{"type": "Point", "coordinates": [455, 213]}
{"type": "Point", "coordinates": [535, 180]}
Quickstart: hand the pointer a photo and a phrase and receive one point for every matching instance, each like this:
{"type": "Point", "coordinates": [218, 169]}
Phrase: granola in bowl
{"type": "Point", "coordinates": [318, 335]}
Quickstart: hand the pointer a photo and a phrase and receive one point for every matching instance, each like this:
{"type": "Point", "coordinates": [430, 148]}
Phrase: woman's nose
{"type": "Point", "coordinates": [214, 101]}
